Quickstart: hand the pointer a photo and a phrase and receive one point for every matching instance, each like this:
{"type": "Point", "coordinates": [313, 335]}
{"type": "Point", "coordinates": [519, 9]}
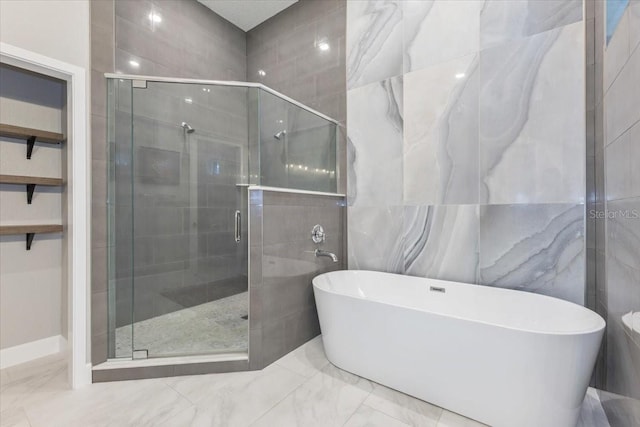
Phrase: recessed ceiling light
{"type": "Point", "coordinates": [154, 17]}
{"type": "Point", "coordinates": [262, 73]}
{"type": "Point", "coordinates": [460, 75]}
{"type": "Point", "coordinates": [323, 46]}
{"type": "Point", "coordinates": [188, 100]}
{"type": "Point", "coordinates": [134, 64]}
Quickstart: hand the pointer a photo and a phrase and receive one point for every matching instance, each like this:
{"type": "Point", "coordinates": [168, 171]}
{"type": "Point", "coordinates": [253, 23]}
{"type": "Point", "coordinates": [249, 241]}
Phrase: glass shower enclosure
{"type": "Point", "coordinates": [182, 154]}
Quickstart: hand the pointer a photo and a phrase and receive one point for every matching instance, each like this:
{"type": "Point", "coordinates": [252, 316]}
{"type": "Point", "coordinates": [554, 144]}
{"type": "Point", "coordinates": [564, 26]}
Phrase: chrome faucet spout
{"type": "Point", "coordinates": [320, 252]}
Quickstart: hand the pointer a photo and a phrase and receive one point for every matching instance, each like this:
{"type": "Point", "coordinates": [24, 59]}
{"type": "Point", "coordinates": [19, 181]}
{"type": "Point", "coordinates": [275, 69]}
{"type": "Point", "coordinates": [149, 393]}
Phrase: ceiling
{"type": "Point", "coordinates": [246, 14]}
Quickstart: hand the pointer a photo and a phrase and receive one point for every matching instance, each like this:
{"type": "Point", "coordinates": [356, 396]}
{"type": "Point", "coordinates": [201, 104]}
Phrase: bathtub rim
{"type": "Point", "coordinates": [600, 320]}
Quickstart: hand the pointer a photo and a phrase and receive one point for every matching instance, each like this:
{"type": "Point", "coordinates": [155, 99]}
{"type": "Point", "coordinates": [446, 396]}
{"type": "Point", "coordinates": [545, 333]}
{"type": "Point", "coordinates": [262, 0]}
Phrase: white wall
{"type": "Point", "coordinates": [58, 29]}
{"type": "Point", "coordinates": [55, 28]}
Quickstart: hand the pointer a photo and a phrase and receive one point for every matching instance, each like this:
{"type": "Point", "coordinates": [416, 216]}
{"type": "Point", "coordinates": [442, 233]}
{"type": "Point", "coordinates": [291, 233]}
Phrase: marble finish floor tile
{"type": "Point", "coordinates": [301, 389]}
{"type": "Point", "coordinates": [366, 416]}
{"type": "Point", "coordinates": [33, 382]}
{"type": "Point", "coordinates": [307, 360]}
{"type": "Point", "coordinates": [328, 399]}
{"type": "Point", "coordinates": [141, 403]}
{"type": "Point", "coordinates": [213, 327]}
{"type": "Point", "coordinates": [403, 407]}
{"type": "Point", "coordinates": [14, 417]}
{"type": "Point", "coordinates": [233, 399]}
{"type": "Point", "coordinates": [592, 414]}
{"type": "Point", "coordinates": [450, 419]}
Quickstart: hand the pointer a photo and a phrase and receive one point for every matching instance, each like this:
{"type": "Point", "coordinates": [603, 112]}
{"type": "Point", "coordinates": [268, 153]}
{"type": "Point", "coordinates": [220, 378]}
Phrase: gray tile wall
{"type": "Point", "coordinates": [284, 53]}
{"type": "Point", "coordinates": [102, 61]}
{"type": "Point", "coordinates": [467, 141]}
{"type": "Point", "coordinates": [190, 42]}
{"type": "Point", "coordinates": [282, 306]}
{"type": "Point", "coordinates": [286, 48]}
{"type": "Point", "coordinates": [618, 242]}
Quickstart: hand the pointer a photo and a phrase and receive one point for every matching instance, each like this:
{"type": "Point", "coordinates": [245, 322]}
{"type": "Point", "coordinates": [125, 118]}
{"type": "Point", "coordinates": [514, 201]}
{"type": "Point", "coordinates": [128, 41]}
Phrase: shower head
{"type": "Point", "coordinates": [187, 127]}
{"type": "Point", "coordinates": [280, 134]}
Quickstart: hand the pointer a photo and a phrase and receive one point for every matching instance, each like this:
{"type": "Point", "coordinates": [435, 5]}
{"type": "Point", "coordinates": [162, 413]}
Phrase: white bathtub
{"type": "Point", "coordinates": [505, 358]}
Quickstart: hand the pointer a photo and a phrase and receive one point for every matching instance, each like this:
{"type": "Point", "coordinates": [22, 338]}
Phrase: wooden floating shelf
{"type": "Point", "coordinates": [6, 230]}
{"type": "Point", "coordinates": [30, 182]}
{"type": "Point", "coordinates": [17, 179]}
{"type": "Point", "coordinates": [29, 230]}
{"type": "Point", "coordinates": [31, 136]}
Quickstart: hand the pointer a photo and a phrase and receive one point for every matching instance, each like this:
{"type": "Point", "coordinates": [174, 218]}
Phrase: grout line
{"type": "Point", "coordinates": [617, 138]}
{"type": "Point", "coordinates": [298, 373]}
{"type": "Point", "coordinates": [386, 414]}
{"type": "Point", "coordinates": [163, 380]}
{"type": "Point", "coordinates": [632, 51]}
{"type": "Point", "coordinates": [290, 370]}
{"type": "Point", "coordinates": [622, 199]}
{"type": "Point", "coordinates": [24, 411]}
{"type": "Point", "coordinates": [355, 410]}
{"type": "Point", "coordinates": [193, 406]}
{"type": "Point", "coordinates": [283, 398]}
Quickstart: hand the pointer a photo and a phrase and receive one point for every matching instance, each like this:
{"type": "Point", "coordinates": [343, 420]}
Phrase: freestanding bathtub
{"type": "Point", "coordinates": [502, 357]}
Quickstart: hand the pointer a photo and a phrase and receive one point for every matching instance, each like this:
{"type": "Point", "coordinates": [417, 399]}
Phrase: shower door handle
{"type": "Point", "coordinates": [238, 226]}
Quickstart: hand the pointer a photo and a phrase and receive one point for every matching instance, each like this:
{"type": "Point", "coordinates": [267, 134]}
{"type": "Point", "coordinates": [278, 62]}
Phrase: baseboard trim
{"type": "Point", "coordinates": [22, 353]}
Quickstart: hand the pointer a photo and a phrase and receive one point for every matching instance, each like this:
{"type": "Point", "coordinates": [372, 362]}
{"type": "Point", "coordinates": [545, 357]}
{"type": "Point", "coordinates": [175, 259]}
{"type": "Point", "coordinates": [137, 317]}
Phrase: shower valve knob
{"type": "Point", "coordinates": [317, 234]}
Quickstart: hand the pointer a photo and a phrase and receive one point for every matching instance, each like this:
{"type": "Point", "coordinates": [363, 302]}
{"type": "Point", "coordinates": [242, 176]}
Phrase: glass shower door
{"type": "Point", "coordinates": [189, 161]}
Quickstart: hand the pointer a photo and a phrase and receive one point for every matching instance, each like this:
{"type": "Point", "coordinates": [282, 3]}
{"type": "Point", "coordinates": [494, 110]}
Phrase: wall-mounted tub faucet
{"type": "Point", "coordinates": [320, 252]}
{"type": "Point", "coordinates": [318, 236]}
{"type": "Point", "coordinates": [187, 127]}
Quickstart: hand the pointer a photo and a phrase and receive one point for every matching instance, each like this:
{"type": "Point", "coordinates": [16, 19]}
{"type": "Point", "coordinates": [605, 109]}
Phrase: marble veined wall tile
{"type": "Point", "coordinates": [441, 133]}
{"type": "Point", "coordinates": [621, 101]}
{"type": "Point", "coordinates": [375, 138]}
{"type": "Point", "coordinates": [536, 248]}
{"type": "Point", "coordinates": [634, 24]}
{"type": "Point", "coordinates": [374, 41]}
{"type": "Point", "coordinates": [503, 21]}
{"type": "Point", "coordinates": [532, 128]}
{"type": "Point", "coordinates": [439, 30]}
{"type": "Point", "coordinates": [621, 168]}
{"type": "Point", "coordinates": [623, 291]}
{"type": "Point", "coordinates": [375, 238]}
{"type": "Point", "coordinates": [623, 234]}
{"type": "Point", "coordinates": [441, 242]}
{"type": "Point", "coordinates": [616, 52]}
